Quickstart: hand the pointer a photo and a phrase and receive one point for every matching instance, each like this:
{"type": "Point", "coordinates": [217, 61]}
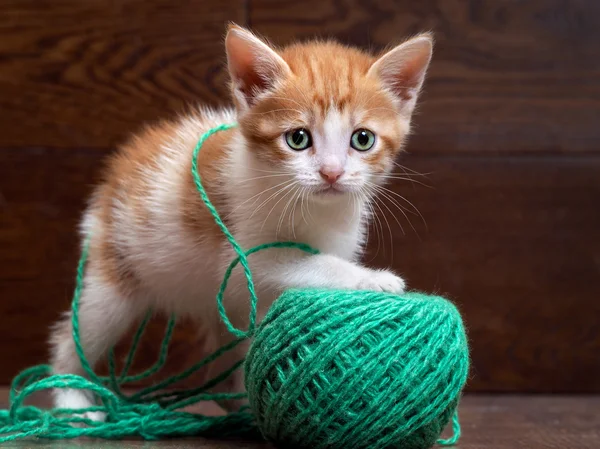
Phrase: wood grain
{"type": "Point", "coordinates": [490, 422]}
{"type": "Point", "coordinates": [507, 76]}
{"type": "Point", "coordinates": [85, 74]}
{"type": "Point", "coordinates": [514, 241]}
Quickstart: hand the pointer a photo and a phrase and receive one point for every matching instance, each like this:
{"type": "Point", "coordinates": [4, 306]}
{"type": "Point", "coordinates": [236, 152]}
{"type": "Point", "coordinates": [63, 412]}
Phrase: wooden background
{"type": "Point", "coordinates": [508, 132]}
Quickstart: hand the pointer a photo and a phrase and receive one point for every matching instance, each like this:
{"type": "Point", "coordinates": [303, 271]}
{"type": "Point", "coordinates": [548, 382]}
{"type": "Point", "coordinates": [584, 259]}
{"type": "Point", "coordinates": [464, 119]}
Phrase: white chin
{"type": "Point", "coordinates": [329, 195]}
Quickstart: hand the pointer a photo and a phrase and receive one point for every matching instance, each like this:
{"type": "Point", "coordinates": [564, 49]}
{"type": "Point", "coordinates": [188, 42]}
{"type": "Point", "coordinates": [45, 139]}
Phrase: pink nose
{"type": "Point", "coordinates": [331, 175]}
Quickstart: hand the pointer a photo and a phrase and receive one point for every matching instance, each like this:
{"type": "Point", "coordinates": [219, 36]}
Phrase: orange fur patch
{"type": "Point", "coordinates": [127, 180]}
{"type": "Point", "coordinates": [125, 185]}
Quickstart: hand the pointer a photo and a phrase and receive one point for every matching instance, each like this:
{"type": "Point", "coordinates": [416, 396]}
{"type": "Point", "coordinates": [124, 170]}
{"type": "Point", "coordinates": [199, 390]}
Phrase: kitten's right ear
{"type": "Point", "coordinates": [402, 69]}
{"type": "Point", "coordinates": [254, 67]}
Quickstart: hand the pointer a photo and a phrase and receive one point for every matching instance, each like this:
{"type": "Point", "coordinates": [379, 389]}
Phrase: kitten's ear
{"type": "Point", "coordinates": [402, 70]}
{"type": "Point", "coordinates": [254, 67]}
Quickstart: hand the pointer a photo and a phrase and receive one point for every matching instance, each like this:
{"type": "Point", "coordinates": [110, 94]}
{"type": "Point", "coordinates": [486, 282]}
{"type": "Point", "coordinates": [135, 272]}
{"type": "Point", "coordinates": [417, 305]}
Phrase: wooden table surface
{"type": "Point", "coordinates": [488, 422]}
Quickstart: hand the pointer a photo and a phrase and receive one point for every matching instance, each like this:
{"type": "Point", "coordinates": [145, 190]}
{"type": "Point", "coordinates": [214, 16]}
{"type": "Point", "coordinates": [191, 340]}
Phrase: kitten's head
{"type": "Point", "coordinates": [332, 117]}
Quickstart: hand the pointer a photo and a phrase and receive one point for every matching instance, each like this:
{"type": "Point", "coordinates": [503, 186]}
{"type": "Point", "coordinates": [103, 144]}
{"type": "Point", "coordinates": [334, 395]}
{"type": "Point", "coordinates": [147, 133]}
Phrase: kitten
{"type": "Point", "coordinates": [319, 126]}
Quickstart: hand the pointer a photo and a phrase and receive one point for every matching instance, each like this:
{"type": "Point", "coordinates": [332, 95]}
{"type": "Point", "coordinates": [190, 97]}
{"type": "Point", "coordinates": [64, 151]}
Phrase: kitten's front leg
{"type": "Point", "coordinates": [317, 271]}
{"type": "Point", "coordinates": [328, 271]}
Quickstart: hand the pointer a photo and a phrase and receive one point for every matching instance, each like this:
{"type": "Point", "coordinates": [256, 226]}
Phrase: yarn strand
{"type": "Point", "coordinates": [456, 432]}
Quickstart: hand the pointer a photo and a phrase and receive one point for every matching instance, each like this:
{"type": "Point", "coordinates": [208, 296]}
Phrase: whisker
{"type": "Point", "coordinates": [269, 171]}
{"type": "Point", "coordinates": [255, 196]}
{"type": "Point", "coordinates": [402, 178]}
{"type": "Point", "coordinates": [243, 181]}
{"type": "Point", "coordinates": [290, 187]}
{"type": "Point", "coordinates": [391, 192]}
{"type": "Point", "coordinates": [395, 203]}
{"type": "Point", "coordinates": [294, 208]}
{"type": "Point", "coordinates": [288, 209]}
{"type": "Point", "coordinates": [418, 212]}
{"type": "Point", "coordinates": [378, 229]}
{"type": "Point", "coordinates": [304, 189]}
{"type": "Point", "coordinates": [376, 223]}
{"type": "Point", "coordinates": [394, 216]}
{"type": "Point", "coordinates": [285, 209]}
{"type": "Point", "coordinates": [380, 190]}
{"type": "Point", "coordinates": [311, 219]}
{"type": "Point", "coordinates": [411, 205]}
{"type": "Point", "coordinates": [406, 173]}
{"type": "Point", "coordinates": [410, 170]}
{"type": "Point", "coordinates": [283, 189]}
{"type": "Point", "coordinates": [389, 230]}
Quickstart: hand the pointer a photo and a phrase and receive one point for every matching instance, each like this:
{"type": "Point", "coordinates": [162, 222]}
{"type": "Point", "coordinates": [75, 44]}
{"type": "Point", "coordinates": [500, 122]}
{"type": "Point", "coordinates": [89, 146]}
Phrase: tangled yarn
{"type": "Point", "coordinates": [335, 369]}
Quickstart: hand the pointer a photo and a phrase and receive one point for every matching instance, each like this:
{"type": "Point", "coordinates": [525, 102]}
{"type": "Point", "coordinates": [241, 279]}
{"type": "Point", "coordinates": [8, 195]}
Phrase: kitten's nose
{"type": "Point", "coordinates": [331, 175]}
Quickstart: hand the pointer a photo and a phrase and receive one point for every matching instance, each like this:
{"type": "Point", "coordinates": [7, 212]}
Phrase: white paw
{"type": "Point", "coordinates": [77, 399]}
{"type": "Point", "coordinates": [382, 281]}
{"type": "Point", "coordinates": [95, 416]}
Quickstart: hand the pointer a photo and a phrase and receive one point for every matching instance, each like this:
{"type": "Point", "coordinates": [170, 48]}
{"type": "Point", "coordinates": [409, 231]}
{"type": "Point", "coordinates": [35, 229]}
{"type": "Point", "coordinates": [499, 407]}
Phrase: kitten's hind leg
{"type": "Point", "coordinates": [104, 316]}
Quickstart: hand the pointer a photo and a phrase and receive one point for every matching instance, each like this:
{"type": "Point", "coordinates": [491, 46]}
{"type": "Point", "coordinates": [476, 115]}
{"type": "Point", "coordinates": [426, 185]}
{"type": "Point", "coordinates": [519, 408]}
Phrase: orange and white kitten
{"type": "Point", "coordinates": [319, 127]}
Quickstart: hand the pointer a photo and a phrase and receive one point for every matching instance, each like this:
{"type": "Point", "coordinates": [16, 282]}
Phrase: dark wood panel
{"type": "Point", "coordinates": [507, 75]}
{"type": "Point", "coordinates": [490, 422]}
{"type": "Point", "coordinates": [85, 74]}
{"type": "Point", "coordinates": [514, 241]}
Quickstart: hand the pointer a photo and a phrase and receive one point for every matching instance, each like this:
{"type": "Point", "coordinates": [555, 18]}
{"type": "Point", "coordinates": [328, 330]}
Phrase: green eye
{"type": "Point", "coordinates": [362, 140]}
{"type": "Point", "coordinates": [298, 139]}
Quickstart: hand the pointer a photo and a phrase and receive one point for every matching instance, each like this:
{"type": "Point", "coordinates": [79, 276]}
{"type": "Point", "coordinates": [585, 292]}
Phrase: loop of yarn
{"type": "Point", "coordinates": [326, 369]}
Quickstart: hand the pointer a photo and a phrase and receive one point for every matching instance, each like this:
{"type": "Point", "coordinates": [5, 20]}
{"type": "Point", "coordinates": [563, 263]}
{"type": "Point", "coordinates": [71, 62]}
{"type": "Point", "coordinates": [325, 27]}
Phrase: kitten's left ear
{"type": "Point", "coordinates": [402, 70]}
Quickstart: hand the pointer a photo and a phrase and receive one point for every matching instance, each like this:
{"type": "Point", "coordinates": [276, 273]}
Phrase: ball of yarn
{"type": "Point", "coordinates": [356, 369]}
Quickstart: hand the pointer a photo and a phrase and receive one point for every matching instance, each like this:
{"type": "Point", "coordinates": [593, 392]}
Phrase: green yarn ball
{"type": "Point", "coordinates": [356, 369]}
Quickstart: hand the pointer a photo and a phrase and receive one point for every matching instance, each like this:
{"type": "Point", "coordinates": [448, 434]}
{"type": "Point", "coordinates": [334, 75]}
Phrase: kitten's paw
{"type": "Point", "coordinates": [95, 416]}
{"type": "Point", "coordinates": [382, 281]}
{"type": "Point", "coordinates": [77, 399]}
